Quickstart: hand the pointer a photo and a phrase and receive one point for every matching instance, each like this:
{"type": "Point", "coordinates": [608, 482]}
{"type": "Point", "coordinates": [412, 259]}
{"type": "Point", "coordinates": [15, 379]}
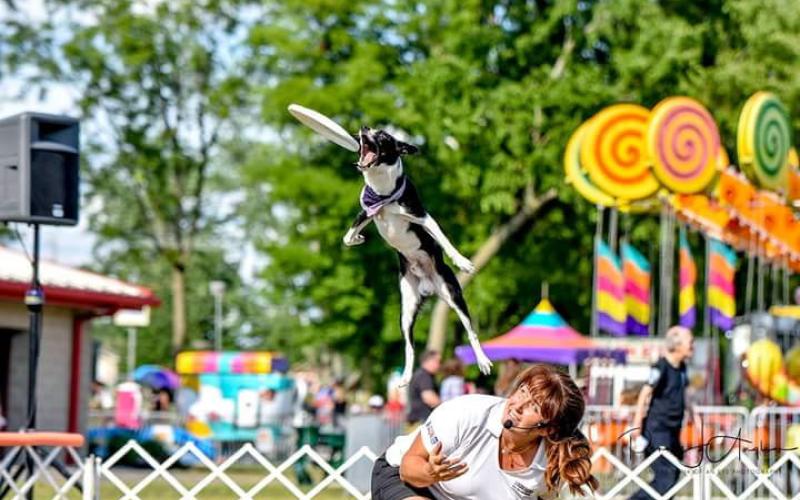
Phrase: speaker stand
{"type": "Point", "coordinates": [34, 300]}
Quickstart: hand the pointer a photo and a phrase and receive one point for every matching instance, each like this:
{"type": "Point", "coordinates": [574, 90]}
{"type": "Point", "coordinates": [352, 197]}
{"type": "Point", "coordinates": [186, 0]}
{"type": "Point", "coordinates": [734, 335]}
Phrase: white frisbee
{"type": "Point", "coordinates": [324, 126]}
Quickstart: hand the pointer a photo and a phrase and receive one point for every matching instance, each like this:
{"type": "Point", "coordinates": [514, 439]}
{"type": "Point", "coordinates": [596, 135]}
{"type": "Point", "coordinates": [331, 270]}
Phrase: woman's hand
{"type": "Point", "coordinates": [421, 469]}
{"type": "Point", "coordinates": [440, 468]}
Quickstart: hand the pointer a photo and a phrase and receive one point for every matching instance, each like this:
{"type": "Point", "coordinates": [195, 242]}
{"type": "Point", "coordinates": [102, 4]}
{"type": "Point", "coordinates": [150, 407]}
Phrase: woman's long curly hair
{"type": "Point", "coordinates": [561, 404]}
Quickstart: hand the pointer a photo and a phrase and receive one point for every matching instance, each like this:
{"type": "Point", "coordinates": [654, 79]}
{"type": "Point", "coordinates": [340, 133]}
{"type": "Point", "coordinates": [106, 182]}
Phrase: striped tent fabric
{"type": "Point", "coordinates": [720, 283]}
{"type": "Point", "coordinates": [636, 273]}
{"type": "Point", "coordinates": [687, 280]}
{"type": "Point", "coordinates": [610, 291]}
{"type": "Point", "coordinates": [543, 336]}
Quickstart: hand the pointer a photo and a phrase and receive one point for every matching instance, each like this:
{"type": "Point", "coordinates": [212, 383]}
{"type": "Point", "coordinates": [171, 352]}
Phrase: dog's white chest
{"type": "Point", "coordinates": [394, 229]}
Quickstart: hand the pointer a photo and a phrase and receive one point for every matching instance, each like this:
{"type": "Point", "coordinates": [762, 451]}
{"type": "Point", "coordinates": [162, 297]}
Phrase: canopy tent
{"type": "Point", "coordinates": [543, 336]}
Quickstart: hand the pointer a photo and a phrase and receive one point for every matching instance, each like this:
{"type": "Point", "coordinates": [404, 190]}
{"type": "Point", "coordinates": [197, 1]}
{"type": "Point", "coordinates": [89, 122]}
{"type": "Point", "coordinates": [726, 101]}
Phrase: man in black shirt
{"type": "Point", "coordinates": [423, 396]}
{"type": "Point", "coordinates": [661, 406]}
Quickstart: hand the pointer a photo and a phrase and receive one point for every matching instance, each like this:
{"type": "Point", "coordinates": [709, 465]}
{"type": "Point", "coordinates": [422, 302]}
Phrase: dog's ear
{"type": "Point", "coordinates": [406, 149]}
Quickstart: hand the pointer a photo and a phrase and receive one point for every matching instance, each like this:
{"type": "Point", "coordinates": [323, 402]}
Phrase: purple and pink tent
{"type": "Point", "coordinates": [544, 337]}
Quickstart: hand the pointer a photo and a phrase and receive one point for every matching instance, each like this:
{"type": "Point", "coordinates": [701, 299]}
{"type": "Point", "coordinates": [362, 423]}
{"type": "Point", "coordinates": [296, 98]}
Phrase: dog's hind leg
{"type": "Point", "coordinates": [410, 301]}
{"type": "Point", "coordinates": [450, 291]}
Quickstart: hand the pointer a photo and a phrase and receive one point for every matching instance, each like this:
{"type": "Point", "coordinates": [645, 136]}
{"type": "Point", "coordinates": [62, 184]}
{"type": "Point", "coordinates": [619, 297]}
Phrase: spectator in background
{"type": "Point", "coordinates": [163, 400]}
{"type": "Point", "coordinates": [269, 410]}
{"type": "Point", "coordinates": [375, 404]}
{"type": "Point", "coordinates": [102, 398]}
{"type": "Point", "coordinates": [323, 402]}
{"type": "Point", "coordinates": [661, 407]}
{"type": "Point", "coordinates": [453, 382]}
{"type": "Point", "coordinates": [303, 399]}
{"type": "Point", "coordinates": [508, 373]}
{"type": "Point", "coordinates": [339, 401]}
{"type": "Point", "coordinates": [423, 396]}
{"type": "Point", "coordinates": [395, 409]}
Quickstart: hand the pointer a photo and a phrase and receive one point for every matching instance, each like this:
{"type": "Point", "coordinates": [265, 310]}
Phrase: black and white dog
{"type": "Point", "coordinates": [391, 200]}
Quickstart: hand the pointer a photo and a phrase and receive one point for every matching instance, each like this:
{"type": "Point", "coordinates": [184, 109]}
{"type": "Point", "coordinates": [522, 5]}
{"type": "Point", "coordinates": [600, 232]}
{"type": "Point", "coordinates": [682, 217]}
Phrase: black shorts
{"type": "Point", "coordinates": [387, 485]}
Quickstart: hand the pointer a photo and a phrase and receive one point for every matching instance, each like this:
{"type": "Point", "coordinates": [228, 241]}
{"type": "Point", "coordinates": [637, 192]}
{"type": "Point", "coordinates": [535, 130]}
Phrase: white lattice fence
{"type": "Point", "coordinates": [736, 476]}
{"type": "Point", "coordinates": [219, 472]}
{"type": "Point", "coordinates": [632, 477]}
{"type": "Point", "coordinates": [779, 480]}
{"type": "Point", "coordinates": [49, 477]}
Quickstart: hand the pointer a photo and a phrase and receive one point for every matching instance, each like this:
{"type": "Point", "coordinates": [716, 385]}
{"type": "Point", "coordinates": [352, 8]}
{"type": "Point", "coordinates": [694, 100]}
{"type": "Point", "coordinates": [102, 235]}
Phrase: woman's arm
{"type": "Point", "coordinates": [421, 469]}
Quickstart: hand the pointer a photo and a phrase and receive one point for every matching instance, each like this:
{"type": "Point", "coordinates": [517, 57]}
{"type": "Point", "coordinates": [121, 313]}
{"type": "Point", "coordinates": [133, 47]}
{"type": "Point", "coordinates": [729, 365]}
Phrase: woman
{"type": "Point", "coordinates": [453, 382]}
{"type": "Point", "coordinates": [485, 447]}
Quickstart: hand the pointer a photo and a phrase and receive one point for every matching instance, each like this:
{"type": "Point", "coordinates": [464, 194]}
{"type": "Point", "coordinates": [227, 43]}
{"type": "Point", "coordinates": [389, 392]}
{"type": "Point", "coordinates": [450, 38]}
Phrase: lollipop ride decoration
{"type": "Point", "coordinates": [684, 144]}
{"type": "Point", "coordinates": [764, 140]}
{"type": "Point", "coordinates": [615, 154]}
{"type": "Point", "coordinates": [575, 174]}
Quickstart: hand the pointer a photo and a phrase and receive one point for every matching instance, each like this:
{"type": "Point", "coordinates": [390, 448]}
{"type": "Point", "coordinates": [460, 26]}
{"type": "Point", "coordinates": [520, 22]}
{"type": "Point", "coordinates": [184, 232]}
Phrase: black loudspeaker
{"type": "Point", "coordinates": [39, 169]}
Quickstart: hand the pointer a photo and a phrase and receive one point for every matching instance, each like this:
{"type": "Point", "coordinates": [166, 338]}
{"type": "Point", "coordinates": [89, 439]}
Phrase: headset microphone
{"type": "Point", "coordinates": [508, 424]}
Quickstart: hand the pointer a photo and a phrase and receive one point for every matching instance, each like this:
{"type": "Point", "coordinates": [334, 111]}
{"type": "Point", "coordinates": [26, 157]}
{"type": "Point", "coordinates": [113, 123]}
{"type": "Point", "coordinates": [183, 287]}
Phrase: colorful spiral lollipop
{"type": "Point", "coordinates": [764, 140]}
{"type": "Point", "coordinates": [684, 145]}
{"type": "Point", "coordinates": [574, 172]}
{"type": "Point", "coordinates": [614, 152]}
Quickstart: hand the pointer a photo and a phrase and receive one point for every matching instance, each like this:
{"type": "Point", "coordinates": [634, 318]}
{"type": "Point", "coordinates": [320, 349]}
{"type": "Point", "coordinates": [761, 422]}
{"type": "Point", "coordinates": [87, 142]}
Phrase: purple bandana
{"type": "Point", "coordinates": [372, 202]}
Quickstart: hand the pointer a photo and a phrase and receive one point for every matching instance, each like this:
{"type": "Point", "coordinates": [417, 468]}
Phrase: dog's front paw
{"type": "Point", "coordinates": [464, 264]}
{"type": "Point", "coordinates": [484, 364]}
{"type": "Point", "coordinates": [353, 239]}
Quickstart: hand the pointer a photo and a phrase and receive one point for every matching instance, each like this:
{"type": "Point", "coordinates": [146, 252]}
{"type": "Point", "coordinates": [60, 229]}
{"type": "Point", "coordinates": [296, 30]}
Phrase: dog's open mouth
{"type": "Point", "coordinates": [368, 153]}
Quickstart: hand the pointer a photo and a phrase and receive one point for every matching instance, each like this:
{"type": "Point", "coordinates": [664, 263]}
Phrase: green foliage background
{"type": "Point", "coordinates": [490, 91]}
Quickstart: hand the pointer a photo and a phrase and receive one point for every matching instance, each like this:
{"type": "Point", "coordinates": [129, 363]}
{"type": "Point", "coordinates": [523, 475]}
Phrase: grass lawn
{"type": "Point", "coordinates": [245, 477]}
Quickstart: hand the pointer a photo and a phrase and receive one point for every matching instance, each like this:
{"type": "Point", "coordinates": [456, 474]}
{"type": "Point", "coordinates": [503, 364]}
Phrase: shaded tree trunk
{"type": "Point", "coordinates": [489, 248]}
{"type": "Point", "coordinates": [531, 204]}
{"type": "Point", "coordinates": [178, 307]}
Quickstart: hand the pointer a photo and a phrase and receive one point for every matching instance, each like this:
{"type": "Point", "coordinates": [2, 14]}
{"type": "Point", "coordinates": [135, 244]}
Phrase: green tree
{"type": "Point", "coordinates": [491, 91]}
{"type": "Point", "coordinates": [159, 88]}
{"type": "Point", "coordinates": [487, 119]}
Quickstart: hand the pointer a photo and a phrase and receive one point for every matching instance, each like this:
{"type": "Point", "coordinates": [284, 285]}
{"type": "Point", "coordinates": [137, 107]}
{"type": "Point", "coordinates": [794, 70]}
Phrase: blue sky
{"type": "Point", "coordinates": [69, 245]}
{"type": "Point", "coordinates": [73, 245]}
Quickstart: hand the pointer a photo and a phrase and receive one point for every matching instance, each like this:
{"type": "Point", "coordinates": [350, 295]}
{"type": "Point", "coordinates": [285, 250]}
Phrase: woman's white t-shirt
{"type": "Point", "coordinates": [469, 429]}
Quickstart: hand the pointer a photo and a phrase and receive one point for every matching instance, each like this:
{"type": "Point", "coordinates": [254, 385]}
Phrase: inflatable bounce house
{"type": "Point", "coordinates": [236, 396]}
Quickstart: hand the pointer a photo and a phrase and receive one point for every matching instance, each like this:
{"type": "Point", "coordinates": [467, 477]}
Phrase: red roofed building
{"type": "Point", "coordinates": [73, 297]}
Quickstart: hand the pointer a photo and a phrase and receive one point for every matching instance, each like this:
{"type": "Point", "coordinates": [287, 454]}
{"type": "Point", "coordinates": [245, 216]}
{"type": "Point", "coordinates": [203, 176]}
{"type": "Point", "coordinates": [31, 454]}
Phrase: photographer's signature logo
{"type": "Point", "coordinates": [727, 443]}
